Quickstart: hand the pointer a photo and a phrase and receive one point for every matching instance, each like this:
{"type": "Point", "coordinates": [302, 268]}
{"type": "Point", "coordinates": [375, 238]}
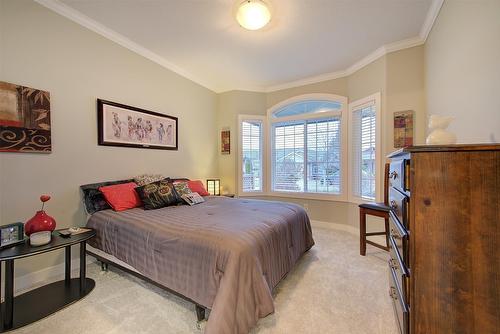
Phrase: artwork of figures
{"type": "Point", "coordinates": [225, 142]}
{"type": "Point", "coordinates": [24, 119]}
{"type": "Point", "coordinates": [122, 125]}
{"type": "Point", "coordinates": [403, 128]}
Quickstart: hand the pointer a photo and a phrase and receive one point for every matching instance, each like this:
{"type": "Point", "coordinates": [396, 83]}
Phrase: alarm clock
{"type": "Point", "coordinates": [11, 234]}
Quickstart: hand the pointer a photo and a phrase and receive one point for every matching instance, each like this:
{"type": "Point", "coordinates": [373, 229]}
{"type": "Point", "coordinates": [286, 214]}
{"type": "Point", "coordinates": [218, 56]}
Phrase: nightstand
{"type": "Point", "coordinates": [36, 304]}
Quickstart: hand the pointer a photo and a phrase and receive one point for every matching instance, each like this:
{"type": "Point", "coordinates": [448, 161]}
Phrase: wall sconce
{"type": "Point", "coordinates": [213, 187]}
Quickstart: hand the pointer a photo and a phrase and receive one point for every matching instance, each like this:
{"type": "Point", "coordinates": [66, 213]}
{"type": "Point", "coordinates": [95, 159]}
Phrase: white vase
{"type": "Point", "coordinates": [438, 134]}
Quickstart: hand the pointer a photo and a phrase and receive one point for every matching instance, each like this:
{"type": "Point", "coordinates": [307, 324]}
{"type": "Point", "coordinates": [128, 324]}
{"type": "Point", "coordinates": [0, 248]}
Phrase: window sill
{"type": "Point", "coordinates": [313, 196]}
{"type": "Point", "coordinates": [251, 193]}
{"type": "Point", "coordinates": [361, 200]}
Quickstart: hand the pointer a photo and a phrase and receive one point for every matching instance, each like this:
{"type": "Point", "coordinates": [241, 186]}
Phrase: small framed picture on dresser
{"type": "Point", "coordinates": [125, 126]}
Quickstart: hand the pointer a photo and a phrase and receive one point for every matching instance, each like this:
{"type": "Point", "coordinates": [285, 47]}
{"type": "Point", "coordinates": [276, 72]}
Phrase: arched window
{"type": "Point", "coordinates": [307, 107]}
{"type": "Point", "coordinates": [307, 139]}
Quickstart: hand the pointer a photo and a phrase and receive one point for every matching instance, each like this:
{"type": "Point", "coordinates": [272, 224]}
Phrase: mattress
{"type": "Point", "coordinates": [225, 254]}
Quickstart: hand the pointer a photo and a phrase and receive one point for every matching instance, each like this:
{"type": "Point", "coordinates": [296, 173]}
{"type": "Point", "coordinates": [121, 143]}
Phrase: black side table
{"type": "Point", "coordinates": [38, 303]}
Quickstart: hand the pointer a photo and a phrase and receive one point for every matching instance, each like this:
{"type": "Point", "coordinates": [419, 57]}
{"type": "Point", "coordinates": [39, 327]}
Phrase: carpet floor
{"type": "Point", "coordinates": [332, 289]}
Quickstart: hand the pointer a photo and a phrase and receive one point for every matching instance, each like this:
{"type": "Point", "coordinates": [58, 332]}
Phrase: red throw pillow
{"type": "Point", "coordinates": [121, 196]}
{"type": "Point", "coordinates": [198, 187]}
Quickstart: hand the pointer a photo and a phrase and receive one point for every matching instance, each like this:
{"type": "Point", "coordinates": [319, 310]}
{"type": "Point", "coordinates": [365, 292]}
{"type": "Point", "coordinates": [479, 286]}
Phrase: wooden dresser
{"type": "Point", "coordinates": [444, 262]}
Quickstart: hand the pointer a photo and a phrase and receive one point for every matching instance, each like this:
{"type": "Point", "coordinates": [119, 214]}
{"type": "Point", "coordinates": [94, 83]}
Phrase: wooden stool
{"type": "Point", "coordinates": [375, 209]}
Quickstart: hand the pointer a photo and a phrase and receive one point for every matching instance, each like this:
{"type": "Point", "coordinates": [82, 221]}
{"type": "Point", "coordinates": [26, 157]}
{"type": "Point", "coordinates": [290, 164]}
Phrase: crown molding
{"type": "Point", "coordinates": [85, 21]}
{"type": "Point", "coordinates": [431, 17]}
{"type": "Point", "coordinates": [378, 53]}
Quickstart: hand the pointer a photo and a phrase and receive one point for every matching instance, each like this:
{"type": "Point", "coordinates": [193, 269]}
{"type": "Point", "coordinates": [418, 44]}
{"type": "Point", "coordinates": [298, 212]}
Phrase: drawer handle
{"type": "Point", "coordinates": [394, 205]}
{"type": "Point", "coordinates": [393, 264]}
{"type": "Point", "coordinates": [393, 175]}
{"type": "Point", "coordinates": [393, 293]}
{"type": "Point", "coordinates": [394, 234]}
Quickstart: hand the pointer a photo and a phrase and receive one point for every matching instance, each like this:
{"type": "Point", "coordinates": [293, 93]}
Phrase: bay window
{"type": "Point", "coordinates": [313, 146]}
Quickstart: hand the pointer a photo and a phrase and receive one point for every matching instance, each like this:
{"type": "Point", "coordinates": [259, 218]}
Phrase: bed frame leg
{"type": "Point", "coordinates": [104, 266]}
{"type": "Point", "coordinates": [200, 312]}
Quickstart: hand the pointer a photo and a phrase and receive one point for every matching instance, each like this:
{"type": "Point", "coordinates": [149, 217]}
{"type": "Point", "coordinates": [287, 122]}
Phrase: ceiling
{"type": "Point", "coordinates": [201, 40]}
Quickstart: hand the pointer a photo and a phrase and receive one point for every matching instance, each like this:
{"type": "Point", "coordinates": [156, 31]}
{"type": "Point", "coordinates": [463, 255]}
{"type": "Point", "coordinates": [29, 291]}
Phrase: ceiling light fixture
{"type": "Point", "coordinates": [253, 14]}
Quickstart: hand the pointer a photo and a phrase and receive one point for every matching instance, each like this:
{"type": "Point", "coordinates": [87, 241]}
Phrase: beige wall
{"type": "Point", "coordinates": [405, 90]}
{"type": "Point", "coordinates": [462, 57]}
{"type": "Point", "coordinates": [229, 106]}
{"type": "Point", "coordinates": [44, 50]}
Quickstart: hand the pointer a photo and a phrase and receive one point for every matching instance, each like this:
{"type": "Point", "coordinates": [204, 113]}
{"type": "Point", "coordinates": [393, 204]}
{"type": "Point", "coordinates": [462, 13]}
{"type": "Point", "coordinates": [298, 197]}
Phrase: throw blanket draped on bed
{"type": "Point", "coordinates": [225, 254]}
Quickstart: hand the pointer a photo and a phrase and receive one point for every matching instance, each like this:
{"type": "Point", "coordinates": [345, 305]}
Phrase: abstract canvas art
{"type": "Point", "coordinates": [24, 119]}
{"type": "Point", "coordinates": [225, 142]}
{"type": "Point", "coordinates": [403, 128]}
{"type": "Point", "coordinates": [126, 126]}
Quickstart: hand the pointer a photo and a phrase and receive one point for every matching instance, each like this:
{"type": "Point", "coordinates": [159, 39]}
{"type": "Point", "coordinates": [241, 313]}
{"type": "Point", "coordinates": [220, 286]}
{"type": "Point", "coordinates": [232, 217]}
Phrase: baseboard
{"type": "Point", "coordinates": [46, 275]}
{"type": "Point", "coordinates": [336, 226]}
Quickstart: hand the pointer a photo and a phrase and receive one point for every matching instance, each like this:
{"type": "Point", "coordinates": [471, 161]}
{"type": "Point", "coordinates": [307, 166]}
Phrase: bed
{"type": "Point", "coordinates": [225, 254]}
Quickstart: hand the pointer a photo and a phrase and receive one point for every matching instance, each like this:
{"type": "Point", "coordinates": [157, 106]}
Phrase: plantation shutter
{"type": "Point", "coordinates": [363, 151]}
{"type": "Point", "coordinates": [251, 142]}
{"type": "Point", "coordinates": [323, 156]}
{"type": "Point", "coordinates": [288, 156]}
{"type": "Point", "coordinates": [306, 156]}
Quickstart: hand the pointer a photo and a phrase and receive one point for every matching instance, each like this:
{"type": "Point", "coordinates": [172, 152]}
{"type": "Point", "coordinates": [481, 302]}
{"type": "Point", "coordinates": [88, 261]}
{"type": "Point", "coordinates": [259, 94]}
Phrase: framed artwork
{"type": "Point", "coordinates": [403, 128]}
{"type": "Point", "coordinates": [225, 142]}
{"type": "Point", "coordinates": [24, 119]}
{"type": "Point", "coordinates": [126, 126]}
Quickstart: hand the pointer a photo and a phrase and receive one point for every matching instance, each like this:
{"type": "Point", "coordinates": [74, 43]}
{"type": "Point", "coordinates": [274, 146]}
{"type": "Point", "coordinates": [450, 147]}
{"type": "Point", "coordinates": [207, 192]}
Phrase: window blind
{"type": "Point", "coordinates": [323, 156]}
{"type": "Point", "coordinates": [363, 149]}
{"type": "Point", "coordinates": [306, 156]}
{"type": "Point", "coordinates": [251, 142]}
{"type": "Point", "coordinates": [288, 156]}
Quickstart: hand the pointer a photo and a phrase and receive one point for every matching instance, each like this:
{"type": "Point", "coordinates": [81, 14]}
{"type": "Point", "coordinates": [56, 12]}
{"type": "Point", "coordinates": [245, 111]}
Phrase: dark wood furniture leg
{"type": "Point", "coordinates": [83, 265]}
{"type": "Point", "coordinates": [8, 318]}
{"type": "Point", "coordinates": [104, 266]}
{"type": "Point", "coordinates": [387, 232]}
{"type": "Point", "coordinates": [200, 312]}
{"type": "Point", "coordinates": [362, 232]}
{"type": "Point", "coordinates": [67, 264]}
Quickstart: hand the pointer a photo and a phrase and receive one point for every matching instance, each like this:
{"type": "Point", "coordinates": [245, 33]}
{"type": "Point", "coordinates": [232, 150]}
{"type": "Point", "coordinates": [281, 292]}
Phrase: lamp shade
{"type": "Point", "coordinates": [213, 187]}
{"type": "Point", "coordinates": [253, 14]}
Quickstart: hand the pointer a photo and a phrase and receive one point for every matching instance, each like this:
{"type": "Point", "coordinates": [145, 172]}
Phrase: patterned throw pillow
{"type": "Point", "coordinates": [144, 179]}
{"type": "Point", "coordinates": [158, 194]}
{"type": "Point", "coordinates": [182, 188]}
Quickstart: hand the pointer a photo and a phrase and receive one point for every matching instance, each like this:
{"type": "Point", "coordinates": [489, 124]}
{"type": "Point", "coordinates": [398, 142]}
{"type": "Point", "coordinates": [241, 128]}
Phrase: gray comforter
{"type": "Point", "coordinates": [225, 254]}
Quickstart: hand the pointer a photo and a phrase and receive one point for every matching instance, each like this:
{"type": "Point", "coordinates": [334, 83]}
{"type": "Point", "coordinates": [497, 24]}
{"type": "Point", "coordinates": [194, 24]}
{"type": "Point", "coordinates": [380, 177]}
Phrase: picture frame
{"type": "Point", "coordinates": [126, 126]}
{"type": "Point", "coordinates": [403, 128]}
{"type": "Point", "coordinates": [11, 235]}
{"type": "Point", "coordinates": [25, 119]}
{"type": "Point", "coordinates": [225, 141]}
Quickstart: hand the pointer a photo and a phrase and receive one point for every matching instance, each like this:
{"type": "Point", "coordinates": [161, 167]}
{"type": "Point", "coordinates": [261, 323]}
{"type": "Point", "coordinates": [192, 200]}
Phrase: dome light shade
{"type": "Point", "coordinates": [253, 14]}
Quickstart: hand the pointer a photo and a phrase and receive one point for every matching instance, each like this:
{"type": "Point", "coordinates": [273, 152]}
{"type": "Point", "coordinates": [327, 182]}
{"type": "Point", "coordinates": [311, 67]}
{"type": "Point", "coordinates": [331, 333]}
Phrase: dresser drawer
{"type": "Point", "coordinates": [399, 235]}
{"type": "Point", "coordinates": [399, 174]}
{"type": "Point", "coordinates": [400, 269]}
{"type": "Point", "coordinates": [401, 309]}
{"type": "Point", "coordinates": [399, 204]}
